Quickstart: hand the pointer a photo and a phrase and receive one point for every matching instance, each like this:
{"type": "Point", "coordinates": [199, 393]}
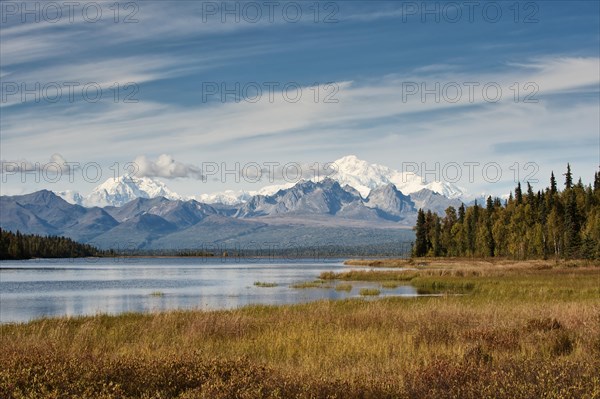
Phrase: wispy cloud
{"type": "Point", "coordinates": [190, 129]}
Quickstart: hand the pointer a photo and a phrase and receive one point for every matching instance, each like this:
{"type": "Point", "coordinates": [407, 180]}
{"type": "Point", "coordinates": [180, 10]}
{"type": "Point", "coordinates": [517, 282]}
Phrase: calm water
{"type": "Point", "coordinates": [58, 287]}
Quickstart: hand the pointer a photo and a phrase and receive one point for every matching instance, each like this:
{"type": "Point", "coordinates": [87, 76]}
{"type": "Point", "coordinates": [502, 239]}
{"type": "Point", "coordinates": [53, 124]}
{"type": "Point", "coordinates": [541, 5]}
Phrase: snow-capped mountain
{"type": "Point", "coordinates": [227, 197]}
{"type": "Point", "coordinates": [351, 173]}
{"type": "Point", "coordinates": [307, 215]}
{"type": "Point", "coordinates": [306, 197]}
{"type": "Point", "coordinates": [119, 191]}
{"type": "Point", "coordinates": [72, 197]}
{"type": "Point", "coordinates": [355, 173]}
{"type": "Point", "coordinates": [365, 177]}
{"type": "Point", "coordinates": [231, 197]}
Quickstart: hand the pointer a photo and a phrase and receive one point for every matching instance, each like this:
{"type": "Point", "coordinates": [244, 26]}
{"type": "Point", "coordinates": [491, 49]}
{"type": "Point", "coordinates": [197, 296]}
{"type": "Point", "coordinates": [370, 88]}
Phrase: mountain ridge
{"type": "Point", "coordinates": [349, 170]}
{"type": "Point", "coordinates": [145, 213]}
{"type": "Point", "coordinates": [309, 212]}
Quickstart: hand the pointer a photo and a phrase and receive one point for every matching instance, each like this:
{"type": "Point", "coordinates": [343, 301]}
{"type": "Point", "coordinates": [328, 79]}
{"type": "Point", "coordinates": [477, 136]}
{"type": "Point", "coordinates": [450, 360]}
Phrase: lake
{"type": "Point", "coordinates": [70, 287]}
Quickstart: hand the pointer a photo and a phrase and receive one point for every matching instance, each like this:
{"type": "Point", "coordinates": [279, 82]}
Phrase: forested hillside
{"type": "Point", "coordinates": [547, 223]}
{"type": "Point", "coordinates": [27, 246]}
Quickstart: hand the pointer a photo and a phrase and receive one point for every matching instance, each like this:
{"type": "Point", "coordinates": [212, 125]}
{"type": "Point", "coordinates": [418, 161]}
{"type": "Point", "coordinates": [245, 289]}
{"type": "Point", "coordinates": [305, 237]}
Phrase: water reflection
{"type": "Point", "coordinates": [36, 288]}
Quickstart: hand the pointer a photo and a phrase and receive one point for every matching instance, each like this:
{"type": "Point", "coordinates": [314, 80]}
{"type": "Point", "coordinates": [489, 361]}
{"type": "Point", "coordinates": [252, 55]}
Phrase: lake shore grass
{"type": "Point", "coordinates": [520, 330]}
{"type": "Point", "coordinates": [312, 284]}
{"type": "Point", "coordinates": [369, 292]}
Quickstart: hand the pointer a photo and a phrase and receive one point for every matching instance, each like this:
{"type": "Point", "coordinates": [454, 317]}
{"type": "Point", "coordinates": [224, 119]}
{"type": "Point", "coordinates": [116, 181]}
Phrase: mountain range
{"type": "Point", "coordinates": [348, 171]}
{"type": "Point", "coordinates": [361, 206]}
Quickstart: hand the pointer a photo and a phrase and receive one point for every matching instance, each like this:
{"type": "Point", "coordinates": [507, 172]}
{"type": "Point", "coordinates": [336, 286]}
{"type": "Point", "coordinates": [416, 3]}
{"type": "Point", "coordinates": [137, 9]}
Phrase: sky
{"type": "Point", "coordinates": [169, 89]}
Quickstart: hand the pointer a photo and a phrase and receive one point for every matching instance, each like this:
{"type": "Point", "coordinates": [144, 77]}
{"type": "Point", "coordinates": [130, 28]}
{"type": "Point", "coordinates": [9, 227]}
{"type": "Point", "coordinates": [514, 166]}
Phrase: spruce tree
{"type": "Point", "coordinates": [489, 237]}
{"type": "Point", "coordinates": [530, 195]}
{"type": "Point", "coordinates": [568, 178]}
{"type": "Point", "coordinates": [436, 240]}
{"type": "Point", "coordinates": [572, 226]}
{"type": "Point", "coordinates": [420, 248]}
{"type": "Point", "coordinates": [553, 188]}
{"type": "Point", "coordinates": [518, 194]}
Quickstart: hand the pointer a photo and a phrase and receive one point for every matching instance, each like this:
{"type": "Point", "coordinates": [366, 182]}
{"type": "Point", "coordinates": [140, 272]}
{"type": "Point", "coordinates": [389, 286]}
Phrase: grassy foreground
{"type": "Point", "coordinates": [517, 330]}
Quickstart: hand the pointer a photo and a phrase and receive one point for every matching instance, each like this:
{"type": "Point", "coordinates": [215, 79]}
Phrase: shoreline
{"type": "Point", "coordinates": [514, 324]}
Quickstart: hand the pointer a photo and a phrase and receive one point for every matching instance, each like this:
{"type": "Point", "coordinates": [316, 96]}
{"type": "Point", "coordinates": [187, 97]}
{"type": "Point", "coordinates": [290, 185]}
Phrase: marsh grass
{"type": "Point", "coordinates": [343, 287]}
{"type": "Point", "coordinates": [265, 284]}
{"type": "Point", "coordinates": [390, 284]}
{"type": "Point", "coordinates": [369, 292]}
{"type": "Point", "coordinates": [312, 284]}
{"type": "Point", "coordinates": [368, 275]}
{"type": "Point", "coordinates": [520, 332]}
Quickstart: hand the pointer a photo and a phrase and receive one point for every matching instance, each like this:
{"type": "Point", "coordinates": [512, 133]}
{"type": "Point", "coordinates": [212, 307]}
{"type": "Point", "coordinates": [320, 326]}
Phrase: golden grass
{"type": "Point", "coordinates": [517, 333]}
{"type": "Point", "coordinates": [469, 263]}
{"type": "Point", "coordinates": [312, 284]}
{"type": "Point", "coordinates": [343, 287]}
{"type": "Point", "coordinates": [369, 292]}
{"type": "Point", "coordinates": [369, 275]}
{"type": "Point", "coordinates": [390, 284]}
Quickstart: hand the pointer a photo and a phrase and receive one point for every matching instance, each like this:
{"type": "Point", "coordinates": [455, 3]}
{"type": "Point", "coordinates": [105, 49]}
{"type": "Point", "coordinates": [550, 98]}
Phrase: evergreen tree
{"type": "Point", "coordinates": [472, 217]}
{"type": "Point", "coordinates": [26, 246]}
{"type": "Point", "coordinates": [518, 194]}
{"type": "Point", "coordinates": [546, 223]}
{"type": "Point", "coordinates": [436, 239]}
{"type": "Point", "coordinates": [568, 178]}
{"type": "Point", "coordinates": [420, 248]}
{"type": "Point", "coordinates": [489, 237]}
{"type": "Point", "coordinates": [448, 233]}
{"type": "Point", "coordinates": [572, 226]}
{"type": "Point", "coordinates": [530, 195]}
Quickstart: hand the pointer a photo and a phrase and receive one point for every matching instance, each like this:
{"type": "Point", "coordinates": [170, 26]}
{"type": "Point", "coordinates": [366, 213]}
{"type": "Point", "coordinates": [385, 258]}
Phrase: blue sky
{"type": "Point", "coordinates": [372, 53]}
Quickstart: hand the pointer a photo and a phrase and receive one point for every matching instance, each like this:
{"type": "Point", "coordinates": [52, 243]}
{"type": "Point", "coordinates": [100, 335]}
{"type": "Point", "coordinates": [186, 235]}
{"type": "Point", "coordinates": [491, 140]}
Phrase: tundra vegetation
{"type": "Point", "coordinates": [497, 329]}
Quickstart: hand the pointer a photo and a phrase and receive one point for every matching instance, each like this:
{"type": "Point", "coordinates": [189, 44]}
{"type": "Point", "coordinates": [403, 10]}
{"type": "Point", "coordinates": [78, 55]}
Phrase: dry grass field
{"type": "Point", "coordinates": [499, 330]}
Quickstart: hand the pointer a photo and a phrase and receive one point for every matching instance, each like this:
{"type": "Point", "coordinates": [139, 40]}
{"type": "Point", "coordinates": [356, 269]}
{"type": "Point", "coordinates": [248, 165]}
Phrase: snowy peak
{"type": "Point", "coordinates": [364, 177]}
{"type": "Point", "coordinates": [231, 197]}
{"type": "Point", "coordinates": [119, 191]}
{"type": "Point", "coordinates": [360, 174]}
{"type": "Point", "coordinates": [356, 176]}
{"type": "Point", "coordinates": [72, 197]}
{"type": "Point", "coordinates": [227, 197]}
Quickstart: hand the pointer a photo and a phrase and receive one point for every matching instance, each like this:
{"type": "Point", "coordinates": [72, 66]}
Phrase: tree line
{"type": "Point", "coordinates": [547, 223]}
{"type": "Point", "coordinates": [27, 246]}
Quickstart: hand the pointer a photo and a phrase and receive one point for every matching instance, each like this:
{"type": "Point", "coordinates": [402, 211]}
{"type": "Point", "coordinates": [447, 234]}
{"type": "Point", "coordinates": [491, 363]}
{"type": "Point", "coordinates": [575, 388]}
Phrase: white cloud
{"type": "Point", "coordinates": [165, 166]}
